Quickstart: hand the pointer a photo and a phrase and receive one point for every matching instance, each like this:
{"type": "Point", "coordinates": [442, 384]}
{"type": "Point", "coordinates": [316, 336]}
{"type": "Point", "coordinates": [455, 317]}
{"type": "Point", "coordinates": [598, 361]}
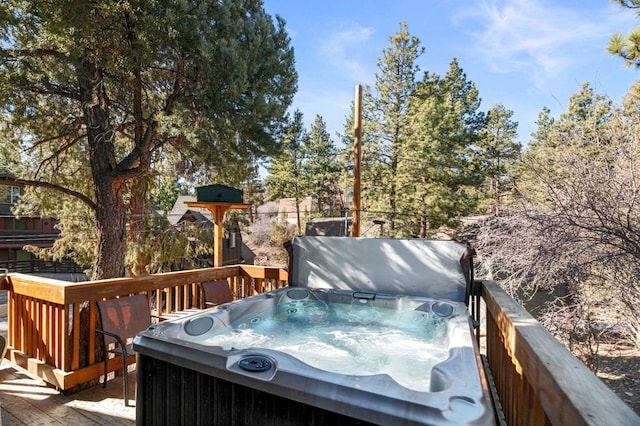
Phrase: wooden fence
{"type": "Point", "coordinates": [39, 266]}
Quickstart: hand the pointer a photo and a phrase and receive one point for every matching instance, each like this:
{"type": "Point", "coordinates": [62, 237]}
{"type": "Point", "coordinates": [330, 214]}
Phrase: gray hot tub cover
{"type": "Point", "coordinates": [439, 269]}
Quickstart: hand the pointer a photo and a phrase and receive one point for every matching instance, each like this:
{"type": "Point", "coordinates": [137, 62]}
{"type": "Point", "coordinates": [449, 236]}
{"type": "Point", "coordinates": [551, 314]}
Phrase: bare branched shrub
{"type": "Point", "coordinates": [259, 233]}
{"type": "Point", "coordinates": [577, 226]}
{"type": "Point", "coordinates": [281, 232]}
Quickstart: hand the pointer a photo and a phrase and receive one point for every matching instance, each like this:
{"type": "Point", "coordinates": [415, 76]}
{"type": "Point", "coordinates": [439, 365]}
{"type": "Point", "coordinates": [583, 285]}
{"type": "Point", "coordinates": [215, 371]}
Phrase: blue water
{"type": "Point", "coordinates": [346, 339]}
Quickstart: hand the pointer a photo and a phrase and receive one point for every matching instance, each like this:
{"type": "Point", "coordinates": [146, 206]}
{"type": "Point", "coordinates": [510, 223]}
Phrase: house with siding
{"type": "Point", "coordinates": [17, 232]}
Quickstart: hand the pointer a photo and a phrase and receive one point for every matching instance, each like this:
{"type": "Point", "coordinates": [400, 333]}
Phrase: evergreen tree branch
{"type": "Point", "coordinates": [40, 184]}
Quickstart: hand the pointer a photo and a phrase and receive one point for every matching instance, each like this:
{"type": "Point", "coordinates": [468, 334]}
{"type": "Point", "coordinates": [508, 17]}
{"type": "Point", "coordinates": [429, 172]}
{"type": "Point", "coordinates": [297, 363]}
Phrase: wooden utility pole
{"type": "Point", "coordinates": [357, 134]}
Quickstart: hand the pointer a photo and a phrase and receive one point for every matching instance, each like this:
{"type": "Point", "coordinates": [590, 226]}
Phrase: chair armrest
{"type": "Point", "coordinates": [119, 339]}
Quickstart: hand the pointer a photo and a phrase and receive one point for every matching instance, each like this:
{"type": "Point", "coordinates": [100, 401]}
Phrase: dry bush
{"type": "Point", "coordinates": [577, 227]}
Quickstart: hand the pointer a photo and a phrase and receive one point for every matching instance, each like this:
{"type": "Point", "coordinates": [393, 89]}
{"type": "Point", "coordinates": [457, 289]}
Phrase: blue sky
{"type": "Point", "coordinates": [525, 54]}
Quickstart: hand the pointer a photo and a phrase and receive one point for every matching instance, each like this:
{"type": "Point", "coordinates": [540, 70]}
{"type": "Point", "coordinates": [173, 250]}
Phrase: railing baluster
{"type": "Point", "coordinates": [169, 306]}
{"type": "Point", "coordinates": [75, 360]}
{"type": "Point", "coordinates": [30, 339]}
{"type": "Point", "coordinates": [60, 336]}
{"type": "Point", "coordinates": [22, 323]}
{"type": "Point", "coordinates": [39, 305]}
{"type": "Point", "coordinates": [93, 319]}
{"type": "Point", "coordinates": [51, 334]}
{"type": "Point", "coordinates": [64, 341]}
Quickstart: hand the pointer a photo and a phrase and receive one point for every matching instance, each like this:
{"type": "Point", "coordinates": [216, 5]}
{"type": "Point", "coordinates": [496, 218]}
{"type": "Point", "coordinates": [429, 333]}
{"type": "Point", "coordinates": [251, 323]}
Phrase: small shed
{"type": "Point", "coordinates": [329, 226]}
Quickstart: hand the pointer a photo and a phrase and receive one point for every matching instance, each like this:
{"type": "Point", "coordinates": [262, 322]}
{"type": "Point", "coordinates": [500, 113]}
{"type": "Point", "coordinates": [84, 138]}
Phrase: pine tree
{"type": "Point", "coordinates": [438, 165]}
{"type": "Point", "coordinates": [395, 83]}
{"type": "Point", "coordinates": [498, 152]}
{"type": "Point", "coordinates": [627, 47]}
{"type": "Point", "coordinates": [286, 168]}
{"type": "Point", "coordinates": [321, 169]}
{"type": "Point", "coordinates": [97, 91]}
{"type": "Point", "coordinates": [575, 130]}
{"type": "Point", "coordinates": [587, 111]}
{"type": "Point", "coordinates": [541, 136]}
{"type": "Point", "coordinates": [254, 192]}
{"type": "Point", "coordinates": [578, 225]}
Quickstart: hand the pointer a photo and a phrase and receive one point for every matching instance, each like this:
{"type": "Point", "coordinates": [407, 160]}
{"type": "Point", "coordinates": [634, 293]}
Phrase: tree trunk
{"type": "Point", "coordinates": [110, 208]}
{"type": "Point", "coordinates": [110, 221]}
{"type": "Point", "coordinates": [137, 224]}
{"type": "Point", "coordinates": [393, 205]}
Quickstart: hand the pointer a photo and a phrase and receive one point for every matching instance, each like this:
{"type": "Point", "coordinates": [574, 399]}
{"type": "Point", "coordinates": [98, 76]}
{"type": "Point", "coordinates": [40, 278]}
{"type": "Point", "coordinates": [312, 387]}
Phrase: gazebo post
{"type": "Point", "coordinates": [218, 232]}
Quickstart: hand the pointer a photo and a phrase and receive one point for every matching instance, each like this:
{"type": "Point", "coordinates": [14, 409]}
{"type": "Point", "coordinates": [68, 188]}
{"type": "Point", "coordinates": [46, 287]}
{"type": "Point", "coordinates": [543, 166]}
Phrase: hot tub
{"type": "Point", "coordinates": [306, 355]}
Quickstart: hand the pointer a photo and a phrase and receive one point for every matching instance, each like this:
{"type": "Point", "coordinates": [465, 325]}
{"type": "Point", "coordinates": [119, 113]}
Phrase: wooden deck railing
{"type": "Point", "coordinates": [51, 323]}
{"type": "Point", "coordinates": [39, 266]}
{"type": "Point", "coordinates": [537, 380]}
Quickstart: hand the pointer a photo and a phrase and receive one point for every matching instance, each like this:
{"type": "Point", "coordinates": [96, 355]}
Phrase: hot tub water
{"type": "Point", "coordinates": [354, 339]}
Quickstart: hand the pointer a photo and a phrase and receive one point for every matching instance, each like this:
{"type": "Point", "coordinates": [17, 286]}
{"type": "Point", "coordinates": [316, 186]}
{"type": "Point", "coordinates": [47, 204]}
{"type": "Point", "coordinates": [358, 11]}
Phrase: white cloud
{"type": "Point", "coordinates": [544, 38]}
{"type": "Point", "coordinates": [340, 49]}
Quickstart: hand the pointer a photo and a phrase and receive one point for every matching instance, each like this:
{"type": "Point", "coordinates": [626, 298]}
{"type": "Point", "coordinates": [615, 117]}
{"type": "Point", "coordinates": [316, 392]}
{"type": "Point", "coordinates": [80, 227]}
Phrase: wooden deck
{"type": "Point", "coordinates": [538, 381]}
{"type": "Point", "coordinates": [27, 400]}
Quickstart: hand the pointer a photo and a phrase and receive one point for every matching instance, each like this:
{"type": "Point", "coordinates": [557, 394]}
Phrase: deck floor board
{"type": "Point", "coordinates": [26, 400]}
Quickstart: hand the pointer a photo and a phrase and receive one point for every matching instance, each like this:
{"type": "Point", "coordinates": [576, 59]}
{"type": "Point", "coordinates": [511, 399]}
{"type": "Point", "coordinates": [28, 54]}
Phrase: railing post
{"type": "Point", "coordinates": [475, 301]}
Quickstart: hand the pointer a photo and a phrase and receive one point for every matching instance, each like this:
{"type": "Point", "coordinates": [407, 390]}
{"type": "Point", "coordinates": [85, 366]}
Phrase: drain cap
{"type": "Point", "coordinates": [255, 364]}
